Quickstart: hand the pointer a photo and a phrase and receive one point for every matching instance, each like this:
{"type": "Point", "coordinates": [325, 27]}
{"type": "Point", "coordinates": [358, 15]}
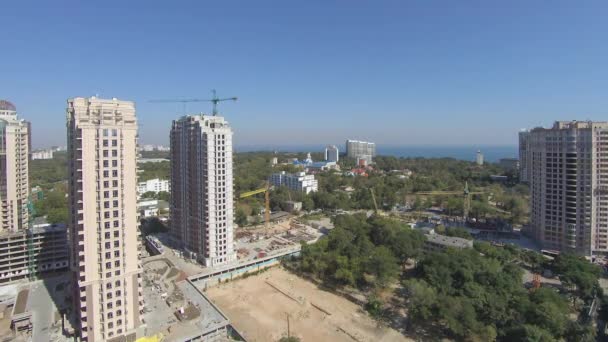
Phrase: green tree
{"type": "Point", "coordinates": [528, 332]}
{"type": "Point", "coordinates": [240, 217]}
{"type": "Point", "coordinates": [383, 265]}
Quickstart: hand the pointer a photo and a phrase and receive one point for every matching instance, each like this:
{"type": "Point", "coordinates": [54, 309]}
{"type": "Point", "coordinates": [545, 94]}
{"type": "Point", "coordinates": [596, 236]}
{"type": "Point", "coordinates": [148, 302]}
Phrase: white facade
{"type": "Point", "coordinates": [150, 148]}
{"type": "Point", "coordinates": [297, 182]}
{"type": "Point", "coordinates": [361, 150]}
{"type": "Point", "coordinates": [42, 154]}
{"type": "Point", "coordinates": [103, 224]}
{"type": "Point", "coordinates": [14, 169]}
{"type": "Point", "coordinates": [479, 158]}
{"type": "Point", "coordinates": [569, 186]}
{"type": "Point", "coordinates": [332, 153]}
{"type": "Point", "coordinates": [202, 199]}
{"type": "Point", "coordinates": [155, 185]}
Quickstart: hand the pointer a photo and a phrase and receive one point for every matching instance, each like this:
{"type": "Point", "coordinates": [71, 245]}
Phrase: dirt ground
{"type": "Point", "coordinates": [258, 306]}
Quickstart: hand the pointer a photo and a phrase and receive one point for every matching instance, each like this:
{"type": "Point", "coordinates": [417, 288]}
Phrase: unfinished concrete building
{"type": "Point", "coordinates": [569, 186]}
{"type": "Point", "coordinates": [33, 252]}
{"type": "Point", "coordinates": [202, 203]}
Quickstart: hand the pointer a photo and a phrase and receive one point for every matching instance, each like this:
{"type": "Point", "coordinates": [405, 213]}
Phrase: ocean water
{"type": "Point", "coordinates": [490, 153]}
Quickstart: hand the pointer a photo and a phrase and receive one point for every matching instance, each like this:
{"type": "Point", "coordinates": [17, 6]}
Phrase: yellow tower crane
{"type": "Point", "coordinates": [266, 191]}
{"type": "Point", "coordinates": [466, 193]}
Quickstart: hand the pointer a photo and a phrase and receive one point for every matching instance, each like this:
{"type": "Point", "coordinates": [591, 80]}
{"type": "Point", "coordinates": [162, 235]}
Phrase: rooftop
{"type": "Point", "coordinates": [449, 241]}
{"type": "Point", "coordinates": [6, 105]}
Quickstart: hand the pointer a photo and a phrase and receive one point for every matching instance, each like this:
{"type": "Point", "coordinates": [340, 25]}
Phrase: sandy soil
{"type": "Point", "coordinates": [258, 307]}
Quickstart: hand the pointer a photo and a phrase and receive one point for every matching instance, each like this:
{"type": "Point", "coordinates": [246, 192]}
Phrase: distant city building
{"type": "Point", "coordinates": [155, 185]}
{"type": "Point", "coordinates": [274, 161]}
{"type": "Point", "coordinates": [297, 182]}
{"type": "Point", "coordinates": [15, 143]}
{"type": "Point", "coordinates": [524, 156]}
{"type": "Point", "coordinates": [59, 148]}
{"type": "Point", "coordinates": [479, 158]}
{"type": "Point", "coordinates": [509, 163]}
{"type": "Point", "coordinates": [332, 153]}
{"type": "Point", "coordinates": [148, 207]}
{"type": "Point", "coordinates": [152, 148]}
{"type": "Point", "coordinates": [103, 224]}
{"type": "Point", "coordinates": [43, 154]}
{"type": "Point", "coordinates": [321, 166]}
{"type": "Point", "coordinates": [309, 165]}
{"type": "Point", "coordinates": [569, 186]}
{"type": "Point", "coordinates": [202, 198]}
{"type": "Point", "coordinates": [361, 150]}
{"type": "Point", "coordinates": [152, 160]}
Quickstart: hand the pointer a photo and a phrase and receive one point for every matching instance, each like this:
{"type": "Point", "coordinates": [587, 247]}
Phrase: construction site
{"type": "Point", "coordinates": [28, 253]}
{"type": "Point", "coordinates": [277, 303]}
{"type": "Point", "coordinates": [176, 310]}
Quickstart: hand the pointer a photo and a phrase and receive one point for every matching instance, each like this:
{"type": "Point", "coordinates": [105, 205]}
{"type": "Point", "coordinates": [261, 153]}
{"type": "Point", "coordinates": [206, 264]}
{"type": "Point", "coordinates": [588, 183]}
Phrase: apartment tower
{"type": "Point", "coordinates": [202, 211]}
{"type": "Point", "coordinates": [361, 150]}
{"type": "Point", "coordinates": [14, 159]}
{"type": "Point", "coordinates": [332, 153]}
{"type": "Point", "coordinates": [103, 228]}
{"type": "Point", "coordinates": [524, 156]}
{"type": "Point", "coordinates": [569, 186]}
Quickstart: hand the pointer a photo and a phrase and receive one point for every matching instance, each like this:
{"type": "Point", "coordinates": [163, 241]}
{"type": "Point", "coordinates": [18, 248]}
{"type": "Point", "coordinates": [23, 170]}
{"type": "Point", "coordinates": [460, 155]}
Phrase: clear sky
{"type": "Point", "coordinates": [314, 72]}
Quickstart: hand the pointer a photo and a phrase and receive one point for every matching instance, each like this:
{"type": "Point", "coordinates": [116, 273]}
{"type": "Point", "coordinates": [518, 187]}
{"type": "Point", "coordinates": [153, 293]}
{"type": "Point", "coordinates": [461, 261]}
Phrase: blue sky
{"type": "Point", "coordinates": [314, 72]}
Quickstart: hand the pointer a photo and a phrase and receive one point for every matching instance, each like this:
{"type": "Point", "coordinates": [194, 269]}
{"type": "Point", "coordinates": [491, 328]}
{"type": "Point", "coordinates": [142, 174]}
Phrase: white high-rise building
{"type": "Point", "coordinates": [103, 224]}
{"type": "Point", "coordinates": [14, 179]}
{"type": "Point", "coordinates": [569, 186]}
{"type": "Point", "coordinates": [361, 150]}
{"type": "Point", "coordinates": [332, 153]}
{"type": "Point", "coordinates": [202, 202]}
{"type": "Point", "coordinates": [479, 158]}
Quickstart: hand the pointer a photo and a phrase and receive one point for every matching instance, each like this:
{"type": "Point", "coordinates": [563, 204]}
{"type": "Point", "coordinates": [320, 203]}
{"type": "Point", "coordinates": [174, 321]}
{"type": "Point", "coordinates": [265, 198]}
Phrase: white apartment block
{"type": "Point", "coordinates": [103, 224]}
{"type": "Point", "coordinates": [332, 153]}
{"type": "Point", "coordinates": [155, 185]}
{"type": "Point", "coordinates": [298, 182]}
{"type": "Point", "coordinates": [42, 154]}
{"type": "Point", "coordinates": [150, 148]}
{"type": "Point", "coordinates": [14, 178]}
{"type": "Point", "coordinates": [361, 150]}
{"type": "Point", "coordinates": [202, 199]}
{"type": "Point", "coordinates": [524, 156]}
{"type": "Point", "coordinates": [569, 186]}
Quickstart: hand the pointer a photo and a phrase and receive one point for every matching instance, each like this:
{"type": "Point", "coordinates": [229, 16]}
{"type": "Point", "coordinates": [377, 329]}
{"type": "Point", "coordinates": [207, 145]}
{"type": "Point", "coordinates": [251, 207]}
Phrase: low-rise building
{"type": "Point", "coordinates": [436, 242]}
{"type": "Point", "coordinates": [298, 182]}
{"type": "Point", "coordinates": [155, 185]}
{"type": "Point", "coordinates": [42, 154]}
{"type": "Point", "coordinates": [293, 206]}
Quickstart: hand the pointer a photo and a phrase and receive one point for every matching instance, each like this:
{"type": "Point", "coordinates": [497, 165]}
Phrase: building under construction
{"type": "Point", "coordinates": [28, 253]}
